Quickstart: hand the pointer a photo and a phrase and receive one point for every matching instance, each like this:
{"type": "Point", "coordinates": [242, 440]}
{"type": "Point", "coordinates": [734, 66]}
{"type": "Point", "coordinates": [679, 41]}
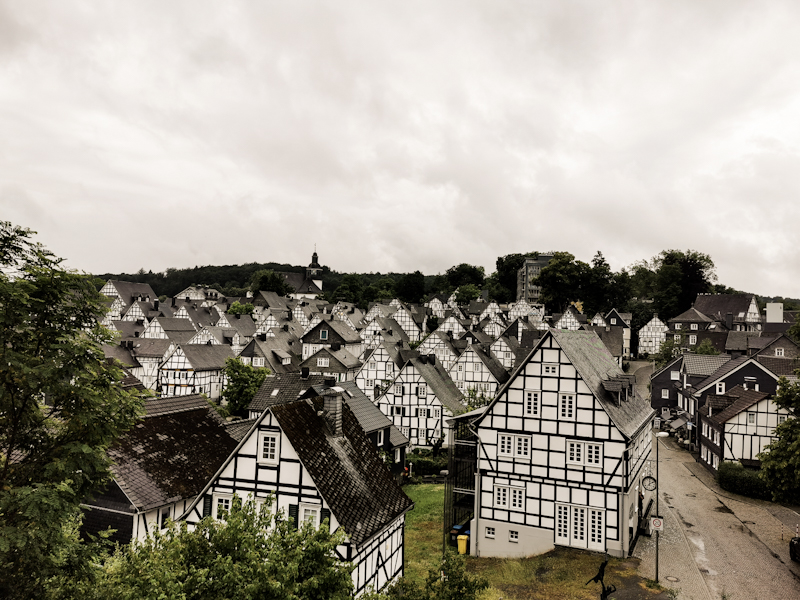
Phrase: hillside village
{"type": "Point", "coordinates": [549, 435]}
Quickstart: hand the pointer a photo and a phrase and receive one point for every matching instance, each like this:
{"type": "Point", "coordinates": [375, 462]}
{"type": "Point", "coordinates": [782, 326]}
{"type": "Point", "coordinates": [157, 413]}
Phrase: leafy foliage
{"type": "Point", "coordinates": [237, 308]}
{"type": "Point", "coordinates": [448, 581]}
{"type": "Point", "coordinates": [267, 280]}
{"type": "Point", "coordinates": [251, 554]}
{"type": "Point", "coordinates": [242, 384]}
{"type": "Point", "coordinates": [734, 477]}
{"type": "Point", "coordinates": [61, 406]}
{"type": "Point", "coordinates": [780, 461]}
{"type": "Point", "coordinates": [706, 347]}
{"type": "Point", "coordinates": [563, 281]}
{"type": "Point", "coordinates": [467, 293]}
{"type": "Point", "coordinates": [666, 353]}
{"type": "Point", "coordinates": [465, 274]}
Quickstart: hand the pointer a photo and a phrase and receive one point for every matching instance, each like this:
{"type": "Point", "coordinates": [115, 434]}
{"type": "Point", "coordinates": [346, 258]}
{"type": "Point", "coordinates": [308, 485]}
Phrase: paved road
{"type": "Point", "coordinates": [715, 546]}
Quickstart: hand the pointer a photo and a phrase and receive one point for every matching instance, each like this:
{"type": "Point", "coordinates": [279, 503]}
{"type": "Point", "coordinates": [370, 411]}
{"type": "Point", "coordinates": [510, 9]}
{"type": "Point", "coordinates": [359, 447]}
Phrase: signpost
{"type": "Point", "coordinates": [656, 524]}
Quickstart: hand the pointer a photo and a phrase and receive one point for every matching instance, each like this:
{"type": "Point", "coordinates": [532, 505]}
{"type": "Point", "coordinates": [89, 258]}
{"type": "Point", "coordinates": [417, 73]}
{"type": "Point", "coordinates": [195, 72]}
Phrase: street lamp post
{"type": "Point", "coordinates": [658, 482]}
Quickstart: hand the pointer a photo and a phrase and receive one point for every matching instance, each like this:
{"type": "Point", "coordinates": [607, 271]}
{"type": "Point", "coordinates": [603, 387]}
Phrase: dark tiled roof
{"type": "Point", "coordinates": [244, 325]}
{"type": "Point", "coordinates": [779, 365]}
{"type": "Point", "coordinates": [127, 290]}
{"type": "Point", "coordinates": [717, 306]}
{"type": "Point", "coordinates": [282, 388]}
{"type": "Point", "coordinates": [123, 355]}
{"type": "Point", "coordinates": [691, 316]}
{"type": "Point", "coordinates": [156, 406]}
{"type": "Point", "coordinates": [743, 399]}
{"type": "Point", "coordinates": [441, 384]}
{"type": "Point", "coordinates": [128, 329]}
{"type": "Point", "coordinates": [722, 370]}
{"type": "Point", "coordinates": [207, 358]}
{"type": "Point", "coordinates": [330, 322]}
{"type": "Point", "coordinates": [594, 363]}
{"type": "Point", "coordinates": [238, 428]}
{"type": "Point", "coordinates": [497, 370]}
{"type": "Point", "coordinates": [346, 469]}
{"type": "Point", "coordinates": [150, 348]}
{"type": "Point", "coordinates": [612, 337]}
{"type": "Point", "coordinates": [738, 341]}
{"type": "Point", "coordinates": [703, 364]}
{"type": "Point", "coordinates": [170, 456]}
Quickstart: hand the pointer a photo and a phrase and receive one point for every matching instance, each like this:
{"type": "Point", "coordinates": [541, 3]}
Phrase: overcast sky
{"type": "Point", "coordinates": [404, 135]}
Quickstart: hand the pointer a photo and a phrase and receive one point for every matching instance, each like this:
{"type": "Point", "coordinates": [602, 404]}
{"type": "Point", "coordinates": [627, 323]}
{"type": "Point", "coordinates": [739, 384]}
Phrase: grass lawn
{"type": "Point", "coordinates": [557, 575]}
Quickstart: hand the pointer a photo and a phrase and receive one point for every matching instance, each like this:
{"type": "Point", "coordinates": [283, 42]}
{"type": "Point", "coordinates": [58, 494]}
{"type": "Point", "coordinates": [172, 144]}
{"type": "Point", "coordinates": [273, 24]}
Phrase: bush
{"type": "Point", "coordinates": [734, 477]}
{"type": "Point", "coordinates": [426, 464]}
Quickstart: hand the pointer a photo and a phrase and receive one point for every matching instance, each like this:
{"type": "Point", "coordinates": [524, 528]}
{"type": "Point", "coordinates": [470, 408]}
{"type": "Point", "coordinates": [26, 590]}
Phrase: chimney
{"type": "Point", "coordinates": [238, 316]}
{"type": "Point", "coordinates": [729, 321]}
{"type": "Point", "coordinates": [330, 381]}
{"type": "Point", "coordinates": [304, 371]}
{"type": "Point", "coordinates": [289, 316]}
{"type": "Point", "coordinates": [285, 327]}
{"type": "Point", "coordinates": [262, 337]}
{"type": "Point", "coordinates": [432, 359]}
{"type": "Point", "coordinates": [155, 304]}
{"type": "Point", "coordinates": [336, 346]}
{"type": "Point", "coordinates": [332, 406]}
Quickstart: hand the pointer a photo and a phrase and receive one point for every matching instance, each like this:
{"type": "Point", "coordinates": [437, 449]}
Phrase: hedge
{"type": "Point", "coordinates": [734, 477]}
{"type": "Point", "coordinates": [427, 465]}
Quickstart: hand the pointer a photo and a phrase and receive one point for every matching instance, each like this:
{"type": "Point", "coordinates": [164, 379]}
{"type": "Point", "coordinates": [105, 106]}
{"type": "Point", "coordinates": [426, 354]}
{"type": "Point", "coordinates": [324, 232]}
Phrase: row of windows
{"type": "Point", "coordinates": [425, 413]}
{"type": "Point", "coordinates": [566, 404]}
{"type": "Point", "coordinates": [578, 453]}
{"type": "Point", "coordinates": [513, 535]}
{"type": "Point", "coordinates": [421, 390]}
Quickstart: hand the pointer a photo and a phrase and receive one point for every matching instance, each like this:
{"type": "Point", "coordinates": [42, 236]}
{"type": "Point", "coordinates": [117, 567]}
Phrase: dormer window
{"type": "Point", "coordinates": [778, 351]}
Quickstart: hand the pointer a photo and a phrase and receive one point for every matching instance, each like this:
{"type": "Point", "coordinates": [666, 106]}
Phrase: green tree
{"type": "Point", "coordinates": [465, 274]}
{"type": "Point", "coordinates": [680, 277]}
{"type": "Point", "coordinates": [506, 275]}
{"type": "Point", "coordinates": [266, 280]}
{"type": "Point", "coordinates": [250, 554]}
{"type": "Point", "coordinates": [449, 580]}
{"type": "Point", "coordinates": [563, 281]}
{"type": "Point", "coordinates": [411, 287]}
{"type": "Point", "coordinates": [237, 308]}
{"type": "Point", "coordinates": [598, 291]}
{"type": "Point", "coordinates": [467, 293]}
{"type": "Point", "coordinates": [381, 290]}
{"type": "Point", "coordinates": [242, 383]}
{"type": "Point", "coordinates": [350, 289]}
{"type": "Point", "coordinates": [706, 347]}
{"type": "Point", "coordinates": [669, 350]}
{"type": "Point", "coordinates": [780, 461]}
{"type": "Point", "coordinates": [61, 406]}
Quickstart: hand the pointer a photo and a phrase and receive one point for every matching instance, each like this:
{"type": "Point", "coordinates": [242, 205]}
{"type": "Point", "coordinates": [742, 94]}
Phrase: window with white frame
{"type": "Point", "coordinates": [532, 402]}
{"type": "Point", "coordinates": [584, 453]}
{"type": "Point", "coordinates": [781, 419]}
{"type": "Point", "coordinates": [437, 412]}
{"type": "Point", "coordinates": [422, 413]}
{"type": "Point", "coordinates": [422, 390]}
{"type": "Point", "coordinates": [286, 360]}
{"type": "Point", "coordinates": [751, 418]}
{"type": "Point", "coordinates": [674, 375]}
{"type": "Point", "coordinates": [398, 390]}
{"type": "Point", "coordinates": [509, 497]}
{"type": "Point", "coordinates": [221, 506]}
{"type": "Point", "coordinates": [549, 369]}
{"type": "Point", "coordinates": [490, 532]}
{"type": "Point", "coordinates": [566, 406]}
{"type": "Point", "coordinates": [678, 326]}
{"type": "Point", "coordinates": [323, 362]}
{"type": "Point", "coordinates": [309, 513]}
{"type": "Point", "coordinates": [268, 447]}
{"type": "Point", "coordinates": [380, 437]}
{"type": "Point", "coordinates": [323, 334]}
{"type": "Point", "coordinates": [397, 455]}
{"type": "Point", "coordinates": [778, 351]}
{"type": "Point", "coordinates": [692, 340]}
{"type": "Point", "coordinates": [693, 326]}
{"type": "Point", "coordinates": [613, 321]}
{"type": "Point", "coordinates": [665, 393]}
{"type": "Point", "coordinates": [513, 536]}
{"type": "Point", "coordinates": [518, 446]}
{"type": "Point", "coordinates": [720, 387]}
{"type": "Point", "coordinates": [370, 383]}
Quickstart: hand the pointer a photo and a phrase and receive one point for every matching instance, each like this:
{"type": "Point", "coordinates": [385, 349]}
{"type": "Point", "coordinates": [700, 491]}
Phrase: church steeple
{"type": "Point", "coordinates": [314, 268]}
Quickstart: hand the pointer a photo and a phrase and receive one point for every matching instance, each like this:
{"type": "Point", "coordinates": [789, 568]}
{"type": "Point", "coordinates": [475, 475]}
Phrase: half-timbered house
{"type": "Point", "coordinates": [194, 369]}
{"type": "Point", "coordinates": [560, 453]}
{"type": "Point", "coordinates": [444, 346]}
{"type": "Point", "coordinates": [651, 336]}
{"type": "Point", "coordinates": [331, 331]}
{"type": "Point", "coordinates": [421, 396]}
{"type": "Point", "coordinates": [477, 373]}
{"type": "Point", "coordinates": [314, 459]}
{"type": "Point", "coordinates": [737, 426]}
{"type": "Point", "coordinates": [332, 361]}
{"type": "Point", "coordinates": [159, 467]}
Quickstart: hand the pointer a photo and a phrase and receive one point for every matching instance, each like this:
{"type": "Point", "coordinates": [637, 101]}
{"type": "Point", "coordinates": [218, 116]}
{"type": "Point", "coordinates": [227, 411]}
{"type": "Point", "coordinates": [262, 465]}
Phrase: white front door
{"type": "Point", "coordinates": [580, 527]}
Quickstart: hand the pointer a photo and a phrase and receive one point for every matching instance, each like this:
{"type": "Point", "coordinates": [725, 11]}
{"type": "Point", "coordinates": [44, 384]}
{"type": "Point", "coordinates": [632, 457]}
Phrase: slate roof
{"type": "Point", "coordinates": [150, 348]}
{"type": "Point", "coordinates": [594, 364]}
{"type": "Point", "coordinates": [238, 428]}
{"type": "Point", "coordinates": [717, 306]}
{"type": "Point", "coordinates": [127, 290]}
{"type": "Point", "coordinates": [691, 316]}
{"type": "Point", "coordinates": [342, 356]}
{"type": "Point", "coordinates": [243, 324]}
{"type": "Point", "coordinates": [392, 327]}
{"type": "Point", "coordinates": [743, 399]}
{"type": "Point", "coordinates": [440, 384]}
{"type": "Point", "coordinates": [123, 355]}
{"type": "Point", "coordinates": [738, 341]}
{"type": "Point", "coordinates": [497, 370]}
{"type": "Point", "coordinates": [779, 365]}
{"type": "Point", "coordinates": [272, 300]}
{"type": "Point", "coordinates": [281, 388]}
{"type": "Point", "coordinates": [612, 337]}
{"type": "Point", "coordinates": [723, 370]}
{"type": "Point", "coordinates": [203, 357]}
{"type": "Point", "coordinates": [703, 364]}
{"type": "Point", "coordinates": [330, 322]}
{"type": "Point", "coordinates": [155, 405]}
{"type": "Point", "coordinates": [128, 329]}
{"type": "Point", "coordinates": [170, 456]}
{"type": "Point", "coordinates": [346, 469]}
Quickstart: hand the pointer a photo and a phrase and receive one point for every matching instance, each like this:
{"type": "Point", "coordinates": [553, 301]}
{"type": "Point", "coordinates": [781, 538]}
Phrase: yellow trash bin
{"type": "Point", "coordinates": [462, 544]}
